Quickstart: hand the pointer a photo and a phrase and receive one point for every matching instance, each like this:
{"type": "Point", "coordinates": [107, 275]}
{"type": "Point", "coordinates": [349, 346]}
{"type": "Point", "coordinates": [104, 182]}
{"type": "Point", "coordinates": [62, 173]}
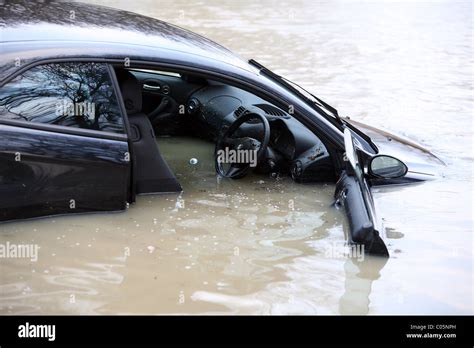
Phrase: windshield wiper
{"type": "Point", "coordinates": [317, 103]}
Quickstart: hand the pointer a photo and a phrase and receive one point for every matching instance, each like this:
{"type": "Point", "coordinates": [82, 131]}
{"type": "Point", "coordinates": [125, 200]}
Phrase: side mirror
{"type": "Point", "coordinates": [387, 167]}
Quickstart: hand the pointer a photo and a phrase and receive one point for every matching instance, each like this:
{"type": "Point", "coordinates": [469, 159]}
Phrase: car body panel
{"type": "Point", "coordinates": [353, 193]}
{"type": "Point", "coordinates": [72, 21]}
{"type": "Point", "coordinates": [358, 204]}
{"type": "Point", "coordinates": [422, 164]}
{"type": "Point", "coordinates": [48, 172]}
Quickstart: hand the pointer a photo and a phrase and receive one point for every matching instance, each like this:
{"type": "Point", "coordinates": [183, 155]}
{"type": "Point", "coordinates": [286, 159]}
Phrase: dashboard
{"type": "Point", "coordinates": [210, 107]}
{"type": "Point", "coordinates": [292, 146]}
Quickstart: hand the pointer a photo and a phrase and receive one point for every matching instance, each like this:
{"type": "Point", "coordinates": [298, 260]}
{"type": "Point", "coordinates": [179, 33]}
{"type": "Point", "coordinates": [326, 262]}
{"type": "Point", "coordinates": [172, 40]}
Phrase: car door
{"type": "Point", "coordinates": [63, 144]}
{"type": "Point", "coordinates": [353, 193]}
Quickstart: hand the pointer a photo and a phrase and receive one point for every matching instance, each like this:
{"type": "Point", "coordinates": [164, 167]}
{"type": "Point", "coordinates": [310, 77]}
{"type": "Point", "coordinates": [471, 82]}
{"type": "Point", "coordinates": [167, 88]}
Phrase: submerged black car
{"type": "Point", "coordinates": [85, 89]}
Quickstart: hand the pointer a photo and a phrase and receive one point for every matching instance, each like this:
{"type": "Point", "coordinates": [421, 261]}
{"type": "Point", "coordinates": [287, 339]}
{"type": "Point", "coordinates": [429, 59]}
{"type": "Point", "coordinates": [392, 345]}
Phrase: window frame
{"type": "Point", "coordinates": [100, 134]}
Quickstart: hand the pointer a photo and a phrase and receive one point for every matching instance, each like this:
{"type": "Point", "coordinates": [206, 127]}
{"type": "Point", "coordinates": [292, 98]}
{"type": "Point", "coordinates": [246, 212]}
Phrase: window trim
{"type": "Point", "coordinates": [54, 128]}
{"type": "Point", "coordinates": [131, 191]}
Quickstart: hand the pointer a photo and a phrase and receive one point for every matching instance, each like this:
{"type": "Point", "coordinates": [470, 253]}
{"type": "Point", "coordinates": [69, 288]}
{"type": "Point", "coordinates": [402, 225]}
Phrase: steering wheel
{"type": "Point", "coordinates": [243, 153]}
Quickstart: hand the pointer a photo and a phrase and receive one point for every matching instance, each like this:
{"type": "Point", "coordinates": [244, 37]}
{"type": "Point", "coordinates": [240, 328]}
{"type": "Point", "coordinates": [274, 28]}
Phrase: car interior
{"type": "Point", "coordinates": [169, 104]}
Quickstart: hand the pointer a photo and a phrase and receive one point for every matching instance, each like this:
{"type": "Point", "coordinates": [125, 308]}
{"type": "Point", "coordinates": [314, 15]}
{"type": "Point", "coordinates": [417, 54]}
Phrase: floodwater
{"type": "Point", "coordinates": [267, 245]}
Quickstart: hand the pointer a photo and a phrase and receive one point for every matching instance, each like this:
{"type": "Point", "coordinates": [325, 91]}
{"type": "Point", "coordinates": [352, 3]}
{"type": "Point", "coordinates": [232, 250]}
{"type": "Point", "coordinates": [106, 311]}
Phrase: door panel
{"type": "Point", "coordinates": [48, 172]}
{"type": "Point", "coordinates": [63, 145]}
{"type": "Point", "coordinates": [363, 230]}
{"type": "Point", "coordinates": [353, 193]}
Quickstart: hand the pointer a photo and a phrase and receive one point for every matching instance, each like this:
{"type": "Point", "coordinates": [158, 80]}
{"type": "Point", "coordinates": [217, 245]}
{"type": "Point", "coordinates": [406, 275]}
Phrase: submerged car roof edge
{"type": "Point", "coordinates": [158, 54]}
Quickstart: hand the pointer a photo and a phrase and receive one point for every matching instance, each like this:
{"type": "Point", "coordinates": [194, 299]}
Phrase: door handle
{"type": "Point", "coordinates": [151, 87]}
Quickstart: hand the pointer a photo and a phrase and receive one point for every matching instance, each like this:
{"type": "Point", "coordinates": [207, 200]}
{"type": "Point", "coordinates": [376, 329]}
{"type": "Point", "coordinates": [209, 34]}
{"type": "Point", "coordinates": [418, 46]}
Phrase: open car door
{"type": "Point", "coordinates": [353, 193]}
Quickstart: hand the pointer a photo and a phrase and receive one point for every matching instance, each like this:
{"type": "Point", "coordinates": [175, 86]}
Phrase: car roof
{"type": "Point", "coordinates": [80, 29]}
{"type": "Point", "coordinates": [33, 32]}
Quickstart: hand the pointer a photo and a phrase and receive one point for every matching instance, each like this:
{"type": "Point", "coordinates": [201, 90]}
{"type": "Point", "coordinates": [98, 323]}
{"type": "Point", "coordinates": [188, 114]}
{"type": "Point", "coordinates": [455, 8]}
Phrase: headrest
{"type": "Point", "coordinates": [131, 91]}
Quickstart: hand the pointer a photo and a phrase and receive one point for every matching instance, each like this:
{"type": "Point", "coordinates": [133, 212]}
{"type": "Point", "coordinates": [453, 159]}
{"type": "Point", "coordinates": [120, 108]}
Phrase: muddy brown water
{"type": "Point", "coordinates": [268, 245]}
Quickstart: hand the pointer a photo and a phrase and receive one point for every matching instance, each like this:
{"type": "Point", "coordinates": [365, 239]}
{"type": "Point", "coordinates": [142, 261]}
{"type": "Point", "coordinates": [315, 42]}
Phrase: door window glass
{"type": "Point", "coordinates": [69, 94]}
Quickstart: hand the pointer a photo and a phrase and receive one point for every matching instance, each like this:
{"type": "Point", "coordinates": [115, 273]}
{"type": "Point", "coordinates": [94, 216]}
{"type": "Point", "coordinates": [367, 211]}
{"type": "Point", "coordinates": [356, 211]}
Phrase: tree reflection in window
{"type": "Point", "coordinates": [68, 94]}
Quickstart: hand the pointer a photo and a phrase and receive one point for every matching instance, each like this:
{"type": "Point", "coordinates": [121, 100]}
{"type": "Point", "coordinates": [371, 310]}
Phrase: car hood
{"type": "Point", "coordinates": [422, 163]}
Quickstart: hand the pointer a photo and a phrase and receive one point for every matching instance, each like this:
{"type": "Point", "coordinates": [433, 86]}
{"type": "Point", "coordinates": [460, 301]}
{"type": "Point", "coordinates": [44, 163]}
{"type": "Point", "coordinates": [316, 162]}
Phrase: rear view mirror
{"type": "Point", "coordinates": [387, 167]}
